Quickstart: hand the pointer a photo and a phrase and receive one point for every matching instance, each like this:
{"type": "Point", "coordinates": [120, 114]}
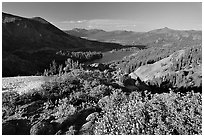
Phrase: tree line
{"type": "Point", "coordinates": [81, 56]}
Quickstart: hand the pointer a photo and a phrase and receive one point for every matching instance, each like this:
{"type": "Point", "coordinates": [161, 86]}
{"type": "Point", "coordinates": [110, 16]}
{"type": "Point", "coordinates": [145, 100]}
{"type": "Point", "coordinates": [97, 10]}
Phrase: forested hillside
{"type": "Point", "coordinates": [103, 77]}
{"type": "Point", "coordinates": [105, 99]}
{"type": "Point", "coordinates": [30, 44]}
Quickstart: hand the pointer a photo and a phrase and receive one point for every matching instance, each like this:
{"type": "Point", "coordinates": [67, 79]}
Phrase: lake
{"type": "Point", "coordinates": [112, 56]}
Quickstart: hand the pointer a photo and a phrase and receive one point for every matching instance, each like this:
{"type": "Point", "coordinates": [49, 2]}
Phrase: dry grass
{"type": "Point", "coordinates": [22, 84]}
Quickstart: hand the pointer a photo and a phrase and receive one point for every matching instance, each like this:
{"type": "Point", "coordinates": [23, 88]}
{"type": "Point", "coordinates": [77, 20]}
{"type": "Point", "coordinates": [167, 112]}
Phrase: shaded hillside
{"type": "Point", "coordinates": [158, 37]}
{"type": "Point", "coordinates": [181, 70]}
{"type": "Point", "coordinates": [34, 42]}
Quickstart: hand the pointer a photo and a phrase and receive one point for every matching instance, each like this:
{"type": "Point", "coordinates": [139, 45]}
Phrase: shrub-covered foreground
{"type": "Point", "coordinates": [101, 99]}
{"type": "Point", "coordinates": [163, 114]}
{"type": "Point", "coordinates": [92, 102]}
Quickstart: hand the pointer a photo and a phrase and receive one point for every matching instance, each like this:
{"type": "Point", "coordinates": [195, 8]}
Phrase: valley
{"type": "Point", "coordinates": [97, 82]}
{"type": "Point", "coordinates": [34, 42]}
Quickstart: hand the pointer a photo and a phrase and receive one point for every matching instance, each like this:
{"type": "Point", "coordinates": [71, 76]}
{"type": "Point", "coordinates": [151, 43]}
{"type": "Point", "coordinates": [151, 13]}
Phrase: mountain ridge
{"type": "Point", "coordinates": [34, 42]}
{"type": "Point", "coordinates": [156, 37]}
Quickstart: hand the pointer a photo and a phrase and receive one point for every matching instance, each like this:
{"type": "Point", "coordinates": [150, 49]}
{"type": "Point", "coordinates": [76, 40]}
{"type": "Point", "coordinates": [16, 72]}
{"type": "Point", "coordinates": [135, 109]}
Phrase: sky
{"type": "Point", "coordinates": [131, 16]}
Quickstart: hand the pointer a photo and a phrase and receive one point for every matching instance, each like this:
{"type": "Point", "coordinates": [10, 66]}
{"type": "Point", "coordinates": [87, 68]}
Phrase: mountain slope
{"type": "Point", "coordinates": [34, 42]}
{"type": "Point", "coordinates": [157, 69]}
{"type": "Point", "coordinates": [158, 37]}
{"type": "Point", "coordinates": [118, 36]}
{"type": "Point", "coordinates": [183, 67]}
{"type": "Point", "coordinates": [39, 33]}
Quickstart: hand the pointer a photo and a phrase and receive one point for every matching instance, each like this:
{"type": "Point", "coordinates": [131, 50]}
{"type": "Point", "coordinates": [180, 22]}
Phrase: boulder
{"type": "Point", "coordinates": [83, 114]}
{"type": "Point", "coordinates": [92, 116]}
{"type": "Point", "coordinates": [42, 128]}
{"type": "Point", "coordinates": [126, 80]}
{"type": "Point", "coordinates": [76, 120]}
{"type": "Point", "coordinates": [87, 126]}
{"type": "Point", "coordinates": [59, 132]}
{"type": "Point", "coordinates": [31, 108]}
{"type": "Point", "coordinates": [62, 124]}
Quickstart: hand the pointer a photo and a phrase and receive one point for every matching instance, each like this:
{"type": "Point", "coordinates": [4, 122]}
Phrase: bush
{"type": "Point", "coordinates": [167, 113]}
{"type": "Point", "coordinates": [127, 80]}
{"type": "Point", "coordinates": [29, 97]}
{"type": "Point", "coordinates": [60, 87]}
{"type": "Point", "coordinates": [9, 103]}
{"type": "Point", "coordinates": [100, 91]}
{"type": "Point", "coordinates": [64, 109]}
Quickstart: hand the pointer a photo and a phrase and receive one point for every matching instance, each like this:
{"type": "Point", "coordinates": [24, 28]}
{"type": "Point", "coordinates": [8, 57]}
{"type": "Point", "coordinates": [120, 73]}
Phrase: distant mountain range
{"type": "Point", "coordinates": [30, 44]}
{"type": "Point", "coordinates": [158, 37]}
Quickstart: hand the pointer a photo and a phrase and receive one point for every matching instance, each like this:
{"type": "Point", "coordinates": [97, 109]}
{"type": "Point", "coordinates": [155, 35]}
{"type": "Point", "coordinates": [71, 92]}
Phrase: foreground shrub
{"type": "Point", "coordinates": [164, 114]}
{"type": "Point", "coordinates": [59, 87]}
{"type": "Point", "coordinates": [9, 103]}
{"type": "Point", "coordinates": [64, 109]}
{"type": "Point", "coordinates": [29, 97]}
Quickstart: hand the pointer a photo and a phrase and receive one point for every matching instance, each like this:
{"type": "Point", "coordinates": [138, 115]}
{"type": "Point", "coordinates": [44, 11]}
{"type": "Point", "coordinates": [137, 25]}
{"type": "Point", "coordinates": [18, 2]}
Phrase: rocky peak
{"type": "Point", "coordinates": [41, 20]}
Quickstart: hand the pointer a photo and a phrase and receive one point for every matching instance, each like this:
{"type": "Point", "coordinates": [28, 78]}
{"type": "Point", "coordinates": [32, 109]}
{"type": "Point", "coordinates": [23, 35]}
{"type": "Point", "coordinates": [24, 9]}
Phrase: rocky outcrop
{"type": "Point", "coordinates": [42, 128]}
{"type": "Point", "coordinates": [31, 108]}
{"type": "Point", "coordinates": [39, 123]}
{"type": "Point", "coordinates": [155, 37]}
{"type": "Point", "coordinates": [157, 69]}
{"type": "Point", "coordinates": [73, 124]}
{"type": "Point", "coordinates": [92, 116]}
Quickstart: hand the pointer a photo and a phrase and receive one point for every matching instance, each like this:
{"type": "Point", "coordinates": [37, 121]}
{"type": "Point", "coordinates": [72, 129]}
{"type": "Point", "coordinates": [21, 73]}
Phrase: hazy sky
{"type": "Point", "coordinates": [113, 16]}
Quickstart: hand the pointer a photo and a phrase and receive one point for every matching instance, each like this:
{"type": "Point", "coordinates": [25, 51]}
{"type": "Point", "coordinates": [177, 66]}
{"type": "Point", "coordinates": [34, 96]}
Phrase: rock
{"type": "Point", "coordinates": [66, 122]}
{"type": "Point", "coordinates": [70, 131]}
{"type": "Point", "coordinates": [86, 126]}
{"type": "Point", "coordinates": [82, 115]}
{"type": "Point", "coordinates": [39, 117]}
{"type": "Point", "coordinates": [86, 112]}
{"type": "Point", "coordinates": [99, 66]}
{"type": "Point", "coordinates": [126, 80]}
{"type": "Point", "coordinates": [16, 127]}
{"type": "Point", "coordinates": [31, 108]}
{"type": "Point", "coordinates": [42, 128]}
{"type": "Point", "coordinates": [92, 116]}
{"type": "Point", "coordinates": [76, 120]}
{"type": "Point", "coordinates": [34, 118]}
{"type": "Point", "coordinates": [133, 76]}
{"type": "Point", "coordinates": [59, 132]}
